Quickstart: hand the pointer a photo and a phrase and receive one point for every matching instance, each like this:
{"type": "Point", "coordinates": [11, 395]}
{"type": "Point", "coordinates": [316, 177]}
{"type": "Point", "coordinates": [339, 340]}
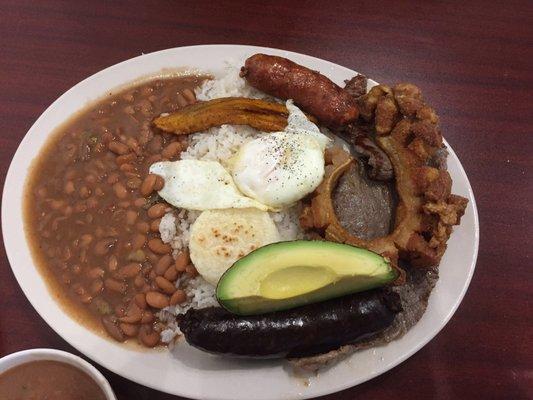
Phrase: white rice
{"type": "Point", "coordinates": [216, 144]}
{"type": "Point", "coordinates": [167, 227]}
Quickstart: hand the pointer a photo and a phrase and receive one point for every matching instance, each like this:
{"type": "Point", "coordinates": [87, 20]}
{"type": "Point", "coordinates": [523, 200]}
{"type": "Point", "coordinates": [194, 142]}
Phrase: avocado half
{"type": "Point", "coordinates": [285, 275]}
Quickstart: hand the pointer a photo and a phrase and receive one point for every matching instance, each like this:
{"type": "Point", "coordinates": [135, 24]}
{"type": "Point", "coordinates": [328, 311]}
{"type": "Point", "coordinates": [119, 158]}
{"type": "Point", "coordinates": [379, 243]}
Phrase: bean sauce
{"type": "Point", "coordinates": [38, 380]}
{"type": "Point", "coordinates": [92, 211]}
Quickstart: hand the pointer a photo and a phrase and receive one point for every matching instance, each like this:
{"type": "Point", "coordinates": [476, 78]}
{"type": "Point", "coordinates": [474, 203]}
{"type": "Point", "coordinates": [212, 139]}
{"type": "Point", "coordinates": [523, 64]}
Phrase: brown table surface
{"type": "Point", "coordinates": [474, 62]}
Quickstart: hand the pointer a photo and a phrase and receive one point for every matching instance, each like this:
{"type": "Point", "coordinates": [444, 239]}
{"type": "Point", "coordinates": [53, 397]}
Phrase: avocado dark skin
{"type": "Point", "coordinates": [299, 332]}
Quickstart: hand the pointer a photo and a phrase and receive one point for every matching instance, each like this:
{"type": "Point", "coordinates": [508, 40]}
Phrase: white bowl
{"type": "Point", "coordinates": [26, 356]}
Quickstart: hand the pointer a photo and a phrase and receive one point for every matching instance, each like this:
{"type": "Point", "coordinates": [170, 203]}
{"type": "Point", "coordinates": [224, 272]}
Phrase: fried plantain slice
{"type": "Point", "coordinates": [259, 114]}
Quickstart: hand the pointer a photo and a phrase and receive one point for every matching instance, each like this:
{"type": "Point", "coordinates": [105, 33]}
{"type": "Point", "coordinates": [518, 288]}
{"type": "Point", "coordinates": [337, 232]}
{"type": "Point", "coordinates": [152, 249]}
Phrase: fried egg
{"type": "Point", "coordinates": [280, 168]}
{"type": "Point", "coordinates": [200, 185]}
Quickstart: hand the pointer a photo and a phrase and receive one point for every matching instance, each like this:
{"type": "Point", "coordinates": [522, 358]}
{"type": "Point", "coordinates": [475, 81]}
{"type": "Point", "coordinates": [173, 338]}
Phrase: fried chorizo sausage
{"type": "Point", "coordinates": [311, 91]}
{"type": "Point", "coordinates": [303, 331]}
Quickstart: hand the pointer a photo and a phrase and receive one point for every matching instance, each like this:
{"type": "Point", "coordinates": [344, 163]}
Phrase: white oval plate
{"type": "Point", "coordinates": [187, 371]}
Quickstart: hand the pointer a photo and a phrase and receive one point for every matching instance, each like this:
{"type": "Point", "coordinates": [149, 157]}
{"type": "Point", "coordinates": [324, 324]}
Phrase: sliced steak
{"type": "Point", "coordinates": [364, 207]}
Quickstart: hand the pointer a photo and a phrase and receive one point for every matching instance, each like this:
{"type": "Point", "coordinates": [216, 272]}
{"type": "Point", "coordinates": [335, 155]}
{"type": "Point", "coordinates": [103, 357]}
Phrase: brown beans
{"type": "Point", "coordinates": [148, 318]}
{"type": "Point", "coordinates": [157, 300]}
{"type": "Point", "coordinates": [86, 298]}
{"type": "Point", "coordinates": [118, 148]}
{"type": "Point", "coordinates": [90, 178]}
{"type": "Point", "coordinates": [92, 202]}
{"type": "Point", "coordinates": [134, 183]}
{"type": "Point", "coordinates": [159, 183]}
{"type": "Point", "coordinates": [131, 217]}
{"type": "Point", "coordinates": [127, 168]}
{"type": "Point", "coordinates": [171, 274]}
{"type": "Point", "coordinates": [171, 150]}
{"type": "Point", "coordinates": [130, 330]}
{"type": "Point", "coordinates": [158, 247]}
{"type": "Point", "coordinates": [80, 207]}
{"type": "Point", "coordinates": [154, 146]}
{"type": "Point", "coordinates": [178, 297]}
{"type": "Point", "coordinates": [127, 158]}
{"type": "Point", "coordinates": [102, 246]}
{"type": "Point", "coordinates": [112, 263]}
{"type": "Point", "coordinates": [140, 300]}
{"type": "Point", "coordinates": [165, 285]}
{"type": "Point", "coordinates": [157, 210]}
{"type": "Point", "coordinates": [115, 286]}
{"type": "Point", "coordinates": [189, 96]}
{"type": "Point", "coordinates": [134, 145]}
{"type": "Point", "coordinates": [154, 258]}
{"type": "Point", "coordinates": [140, 202]}
{"type": "Point", "coordinates": [191, 271]}
{"type": "Point", "coordinates": [153, 158]}
{"type": "Point", "coordinates": [154, 226]}
{"type": "Point", "coordinates": [138, 241]}
{"type": "Point", "coordinates": [69, 187]}
{"type": "Point", "coordinates": [143, 227]}
{"type": "Point", "coordinates": [182, 260]}
{"type": "Point", "coordinates": [148, 184]}
{"type": "Point", "coordinates": [86, 239]}
{"type": "Point", "coordinates": [97, 219]}
{"type": "Point", "coordinates": [163, 264]}
{"type": "Point", "coordinates": [112, 329]}
{"type": "Point", "coordinates": [139, 281]}
{"type": "Point", "coordinates": [148, 337]}
{"type": "Point", "coordinates": [66, 278]}
{"type": "Point", "coordinates": [133, 314]}
{"type": "Point", "coordinates": [119, 310]}
{"type": "Point", "coordinates": [97, 286]}
{"type": "Point", "coordinates": [78, 289]}
{"type": "Point", "coordinates": [94, 273]}
{"type": "Point", "coordinates": [85, 192]}
{"type": "Point", "coordinates": [113, 178]}
{"type": "Point", "coordinates": [124, 204]}
{"type": "Point", "coordinates": [128, 271]}
{"type": "Point", "coordinates": [181, 100]}
{"type": "Point", "coordinates": [120, 190]}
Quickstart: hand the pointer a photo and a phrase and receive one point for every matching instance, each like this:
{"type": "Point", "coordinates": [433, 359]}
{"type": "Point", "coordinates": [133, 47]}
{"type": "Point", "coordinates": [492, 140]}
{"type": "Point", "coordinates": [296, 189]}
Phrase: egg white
{"type": "Point", "coordinates": [200, 185]}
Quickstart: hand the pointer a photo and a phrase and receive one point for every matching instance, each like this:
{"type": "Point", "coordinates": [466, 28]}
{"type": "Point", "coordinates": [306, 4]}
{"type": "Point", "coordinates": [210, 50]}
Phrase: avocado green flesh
{"type": "Point", "coordinates": [285, 275]}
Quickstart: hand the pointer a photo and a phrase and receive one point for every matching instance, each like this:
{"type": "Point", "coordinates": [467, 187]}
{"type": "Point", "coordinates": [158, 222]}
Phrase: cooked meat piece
{"type": "Point", "coordinates": [380, 167]}
{"type": "Point", "coordinates": [356, 86]}
{"type": "Point", "coordinates": [303, 331]}
{"type": "Point", "coordinates": [439, 159]}
{"type": "Point", "coordinates": [361, 137]}
{"type": "Point", "coordinates": [364, 208]}
{"type": "Point", "coordinates": [407, 131]}
{"type": "Point", "coordinates": [310, 90]}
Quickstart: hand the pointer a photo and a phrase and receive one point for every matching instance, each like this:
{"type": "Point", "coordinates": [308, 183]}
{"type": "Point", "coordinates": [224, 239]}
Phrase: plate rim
{"type": "Point", "coordinates": [11, 174]}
